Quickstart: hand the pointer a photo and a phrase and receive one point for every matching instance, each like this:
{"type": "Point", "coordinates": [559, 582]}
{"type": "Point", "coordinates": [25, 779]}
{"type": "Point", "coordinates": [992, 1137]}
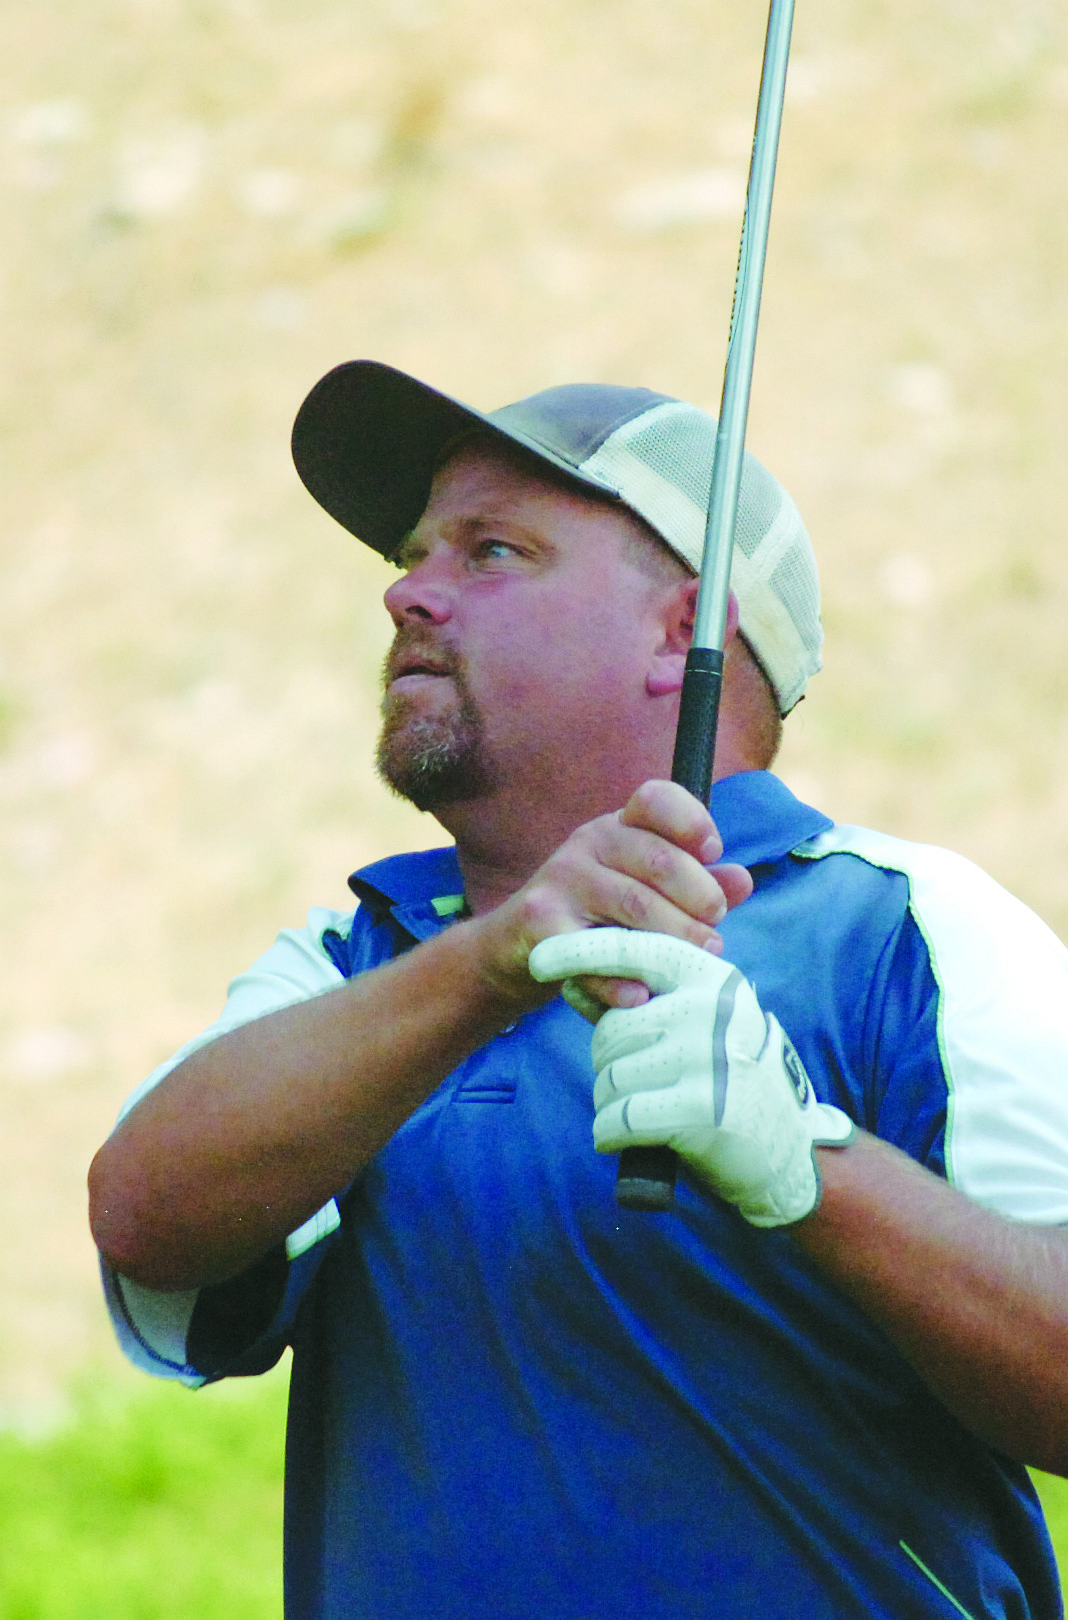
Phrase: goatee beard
{"type": "Point", "coordinates": [432, 760]}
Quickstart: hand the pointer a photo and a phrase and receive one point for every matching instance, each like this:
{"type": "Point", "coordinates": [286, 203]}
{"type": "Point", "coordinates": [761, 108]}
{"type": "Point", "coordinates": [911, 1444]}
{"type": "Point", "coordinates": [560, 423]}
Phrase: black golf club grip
{"type": "Point", "coordinates": [646, 1176]}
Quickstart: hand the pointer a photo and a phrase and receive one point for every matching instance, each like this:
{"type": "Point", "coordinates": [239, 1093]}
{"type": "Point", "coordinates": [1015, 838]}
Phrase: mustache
{"type": "Point", "coordinates": [413, 647]}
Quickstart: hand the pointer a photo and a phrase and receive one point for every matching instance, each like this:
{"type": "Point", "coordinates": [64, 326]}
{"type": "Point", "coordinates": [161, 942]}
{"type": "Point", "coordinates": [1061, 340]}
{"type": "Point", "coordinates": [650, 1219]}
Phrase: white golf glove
{"type": "Point", "coordinates": [699, 1068]}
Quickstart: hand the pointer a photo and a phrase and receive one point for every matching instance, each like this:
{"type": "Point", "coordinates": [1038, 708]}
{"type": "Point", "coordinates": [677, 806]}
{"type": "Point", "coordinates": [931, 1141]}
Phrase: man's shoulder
{"type": "Point", "coordinates": [961, 910]}
{"type": "Point", "coordinates": [760, 820]}
{"type": "Point", "coordinates": [930, 869]}
{"type": "Point", "coordinates": [888, 851]}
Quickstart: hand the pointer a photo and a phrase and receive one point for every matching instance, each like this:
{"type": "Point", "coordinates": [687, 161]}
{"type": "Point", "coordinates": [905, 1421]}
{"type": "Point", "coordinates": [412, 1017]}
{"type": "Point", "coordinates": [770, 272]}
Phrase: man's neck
{"type": "Point", "coordinates": [502, 839]}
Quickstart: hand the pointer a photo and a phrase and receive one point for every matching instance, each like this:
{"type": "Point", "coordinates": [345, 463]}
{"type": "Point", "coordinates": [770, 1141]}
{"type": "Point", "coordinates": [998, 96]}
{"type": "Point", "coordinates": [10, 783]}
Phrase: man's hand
{"type": "Point", "coordinates": [649, 867]}
{"type": "Point", "coordinates": [700, 1068]}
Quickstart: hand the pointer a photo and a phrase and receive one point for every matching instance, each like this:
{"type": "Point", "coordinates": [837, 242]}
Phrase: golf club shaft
{"type": "Point", "coordinates": [646, 1178]}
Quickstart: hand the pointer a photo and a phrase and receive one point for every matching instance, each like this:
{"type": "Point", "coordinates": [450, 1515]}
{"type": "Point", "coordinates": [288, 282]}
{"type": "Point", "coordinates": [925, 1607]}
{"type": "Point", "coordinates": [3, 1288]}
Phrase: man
{"type": "Point", "coordinates": [809, 1389]}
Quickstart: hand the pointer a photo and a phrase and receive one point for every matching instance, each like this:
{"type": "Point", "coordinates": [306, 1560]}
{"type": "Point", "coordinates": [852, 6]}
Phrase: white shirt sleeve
{"type": "Point", "coordinates": [152, 1327]}
{"type": "Point", "coordinates": [296, 968]}
{"type": "Point", "coordinates": [1002, 978]}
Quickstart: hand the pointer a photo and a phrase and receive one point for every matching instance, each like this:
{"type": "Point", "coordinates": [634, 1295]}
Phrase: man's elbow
{"type": "Point", "coordinates": [120, 1227]}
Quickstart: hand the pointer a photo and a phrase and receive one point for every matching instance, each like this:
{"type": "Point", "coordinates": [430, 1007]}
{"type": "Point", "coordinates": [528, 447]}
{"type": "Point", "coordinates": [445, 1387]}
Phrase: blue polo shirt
{"type": "Point", "coordinates": [512, 1398]}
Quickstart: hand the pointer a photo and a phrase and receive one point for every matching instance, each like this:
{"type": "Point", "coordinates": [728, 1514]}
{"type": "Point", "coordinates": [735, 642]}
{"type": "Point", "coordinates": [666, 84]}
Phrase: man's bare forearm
{"type": "Point", "coordinates": [241, 1143]}
{"type": "Point", "coordinates": [250, 1135]}
{"type": "Point", "coordinates": [977, 1303]}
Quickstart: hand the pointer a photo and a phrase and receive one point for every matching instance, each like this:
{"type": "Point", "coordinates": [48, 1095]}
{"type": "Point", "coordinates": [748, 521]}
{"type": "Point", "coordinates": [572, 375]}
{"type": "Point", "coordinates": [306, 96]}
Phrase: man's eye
{"type": "Point", "coordinates": [496, 550]}
{"type": "Point", "coordinates": [406, 555]}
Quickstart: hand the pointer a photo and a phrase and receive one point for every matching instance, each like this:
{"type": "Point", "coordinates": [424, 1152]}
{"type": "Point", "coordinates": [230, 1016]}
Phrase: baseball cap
{"type": "Point", "coordinates": [368, 438]}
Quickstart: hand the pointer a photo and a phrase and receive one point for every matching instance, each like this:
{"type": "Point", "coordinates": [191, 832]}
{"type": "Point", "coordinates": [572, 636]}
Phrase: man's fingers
{"type": "Point", "coordinates": [735, 881]}
{"type": "Point", "coordinates": [673, 812]}
{"type": "Point", "coordinates": [593, 997]}
{"type": "Point", "coordinates": [660, 871]}
{"type": "Point", "coordinates": [606, 968]}
{"type": "Point", "coordinates": [674, 817]}
{"type": "Point", "coordinates": [644, 869]}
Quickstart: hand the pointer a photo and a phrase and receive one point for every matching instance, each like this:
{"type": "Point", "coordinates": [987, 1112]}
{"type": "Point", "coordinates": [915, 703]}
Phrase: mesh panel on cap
{"type": "Point", "coordinates": [759, 504]}
{"type": "Point", "coordinates": [676, 442]}
{"type": "Point", "coordinates": [661, 463]}
{"type": "Point", "coordinates": [792, 584]}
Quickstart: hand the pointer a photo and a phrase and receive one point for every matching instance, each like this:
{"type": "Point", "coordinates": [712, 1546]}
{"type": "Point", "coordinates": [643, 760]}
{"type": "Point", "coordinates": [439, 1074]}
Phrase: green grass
{"type": "Point", "coordinates": [1054, 1494]}
{"type": "Point", "coordinates": [154, 1504]}
{"type": "Point", "coordinates": [157, 1505]}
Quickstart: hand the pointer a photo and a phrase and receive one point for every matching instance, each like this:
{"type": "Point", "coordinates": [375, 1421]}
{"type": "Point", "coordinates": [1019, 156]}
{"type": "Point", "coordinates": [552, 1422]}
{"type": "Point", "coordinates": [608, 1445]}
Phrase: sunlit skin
{"type": "Point", "coordinates": [540, 594]}
{"type": "Point", "coordinates": [572, 653]}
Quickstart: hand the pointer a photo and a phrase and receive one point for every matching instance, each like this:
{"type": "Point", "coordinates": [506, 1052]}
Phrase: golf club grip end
{"type": "Point", "coordinates": [646, 1179]}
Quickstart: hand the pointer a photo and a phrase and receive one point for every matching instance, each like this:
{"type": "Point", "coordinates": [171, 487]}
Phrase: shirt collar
{"type": "Point", "coordinates": [407, 887]}
{"type": "Point", "coordinates": [758, 817]}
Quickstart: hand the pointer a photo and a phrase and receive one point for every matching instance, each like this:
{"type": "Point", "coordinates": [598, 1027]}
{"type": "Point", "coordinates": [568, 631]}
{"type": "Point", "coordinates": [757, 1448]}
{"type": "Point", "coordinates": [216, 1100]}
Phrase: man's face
{"type": "Point", "coordinates": [523, 628]}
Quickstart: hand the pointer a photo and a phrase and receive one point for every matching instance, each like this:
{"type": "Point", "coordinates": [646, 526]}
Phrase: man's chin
{"type": "Point", "coordinates": [431, 771]}
{"type": "Point", "coordinates": [430, 790]}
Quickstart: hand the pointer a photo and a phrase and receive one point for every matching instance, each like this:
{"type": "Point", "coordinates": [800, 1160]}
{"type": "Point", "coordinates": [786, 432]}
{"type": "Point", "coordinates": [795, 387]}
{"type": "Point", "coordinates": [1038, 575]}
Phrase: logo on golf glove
{"type": "Point", "coordinates": [796, 1070]}
{"type": "Point", "coordinates": [699, 1068]}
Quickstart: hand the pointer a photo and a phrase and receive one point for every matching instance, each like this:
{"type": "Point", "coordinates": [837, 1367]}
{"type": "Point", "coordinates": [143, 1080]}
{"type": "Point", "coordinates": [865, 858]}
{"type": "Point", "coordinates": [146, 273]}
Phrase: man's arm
{"type": "Point", "coordinates": [243, 1141]}
{"type": "Point", "coordinates": [977, 1303]}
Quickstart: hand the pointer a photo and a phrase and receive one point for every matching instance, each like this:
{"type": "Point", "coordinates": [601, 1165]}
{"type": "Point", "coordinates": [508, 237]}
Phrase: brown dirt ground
{"type": "Point", "coordinates": [209, 202]}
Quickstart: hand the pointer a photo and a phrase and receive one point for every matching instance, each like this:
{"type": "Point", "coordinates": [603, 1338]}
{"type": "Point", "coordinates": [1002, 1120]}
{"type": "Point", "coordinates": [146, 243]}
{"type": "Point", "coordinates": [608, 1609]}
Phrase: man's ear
{"type": "Point", "coordinates": [669, 663]}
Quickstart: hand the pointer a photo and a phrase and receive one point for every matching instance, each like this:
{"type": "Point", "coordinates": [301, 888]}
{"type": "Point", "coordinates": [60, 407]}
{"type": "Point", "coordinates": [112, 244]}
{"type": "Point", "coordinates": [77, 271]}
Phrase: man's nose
{"type": "Point", "coordinates": [423, 593]}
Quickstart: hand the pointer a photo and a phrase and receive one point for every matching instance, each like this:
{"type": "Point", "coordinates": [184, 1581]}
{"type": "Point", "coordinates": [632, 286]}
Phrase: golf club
{"type": "Point", "coordinates": [646, 1178]}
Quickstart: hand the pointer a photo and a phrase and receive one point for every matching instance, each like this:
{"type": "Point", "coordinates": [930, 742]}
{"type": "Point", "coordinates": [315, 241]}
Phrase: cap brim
{"type": "Point", "coordinates": [365, 443]}
{"type": "Point", "coordinates": [368, 439]}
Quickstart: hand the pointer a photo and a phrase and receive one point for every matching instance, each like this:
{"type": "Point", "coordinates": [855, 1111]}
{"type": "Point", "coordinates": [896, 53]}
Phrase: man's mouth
{"type": "Point", "coordinates": [419, 667]}
{"type": "Point", "coordinates": [413, 665]}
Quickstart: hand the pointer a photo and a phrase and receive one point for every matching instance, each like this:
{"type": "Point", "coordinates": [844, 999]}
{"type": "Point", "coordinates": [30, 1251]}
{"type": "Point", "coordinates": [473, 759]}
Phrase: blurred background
{"type": "Point", "coordinates": [208, 203]}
